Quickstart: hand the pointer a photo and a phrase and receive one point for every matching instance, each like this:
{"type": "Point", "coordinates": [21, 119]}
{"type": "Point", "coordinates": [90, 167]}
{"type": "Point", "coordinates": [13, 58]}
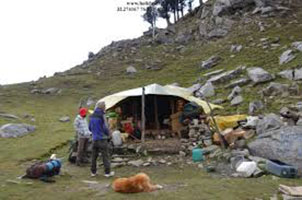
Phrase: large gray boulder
{"type": "Point", "coordinates": [16, 130]}
{"type": "Point", "coordinates": [268, 123]}
{"type": "Point", "coordinates": [259, 75]}
{"type": "Point", "coordinates": [286, 57]}
{"type": "Point", "coordinates": [283, 144]}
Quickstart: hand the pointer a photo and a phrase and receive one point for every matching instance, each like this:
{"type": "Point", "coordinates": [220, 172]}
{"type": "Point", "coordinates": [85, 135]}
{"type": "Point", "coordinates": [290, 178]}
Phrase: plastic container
{"type": "Point", "coordinates": [281, 169]}
{"type": "Point", "coordinates": [197, 155]}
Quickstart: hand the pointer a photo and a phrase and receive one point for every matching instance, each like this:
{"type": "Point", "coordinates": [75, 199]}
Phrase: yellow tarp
{"type": "Point", "coordinates": [224, 122]}
{"type": "Point", "coordinates": [156, 89]}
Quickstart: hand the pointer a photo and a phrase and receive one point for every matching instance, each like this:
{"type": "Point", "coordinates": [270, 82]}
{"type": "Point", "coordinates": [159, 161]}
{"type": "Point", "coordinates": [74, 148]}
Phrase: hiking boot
{"type": "Point", "coordinates": [109, 175]}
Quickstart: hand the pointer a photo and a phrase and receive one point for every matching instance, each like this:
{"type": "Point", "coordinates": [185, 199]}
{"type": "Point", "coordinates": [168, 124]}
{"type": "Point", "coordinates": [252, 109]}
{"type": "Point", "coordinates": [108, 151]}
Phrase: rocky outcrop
{"type": "Point", "coordinates": [283, 144]}
{"type": "Point", "coordinates": [226, 7]}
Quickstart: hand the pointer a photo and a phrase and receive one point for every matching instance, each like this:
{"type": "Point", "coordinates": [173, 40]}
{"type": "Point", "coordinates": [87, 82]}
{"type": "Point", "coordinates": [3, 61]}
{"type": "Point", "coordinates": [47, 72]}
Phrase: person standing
{"type": "Point", "coordinates": [100, 136]}
{"type": "Point", "coordinates": [83, 134]}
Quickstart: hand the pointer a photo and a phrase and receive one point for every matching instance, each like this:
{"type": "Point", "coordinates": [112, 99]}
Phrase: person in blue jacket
{"type": "Point", "coordinates": [100, 136]}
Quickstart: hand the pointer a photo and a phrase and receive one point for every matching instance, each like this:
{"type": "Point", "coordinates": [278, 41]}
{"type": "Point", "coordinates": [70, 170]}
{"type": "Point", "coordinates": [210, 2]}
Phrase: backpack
{"type": "Point", "coordinates": [44, 169]}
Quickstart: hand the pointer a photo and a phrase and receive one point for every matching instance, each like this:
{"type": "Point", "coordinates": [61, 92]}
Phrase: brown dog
{"type": "Point", "coordinates": [138, 183]}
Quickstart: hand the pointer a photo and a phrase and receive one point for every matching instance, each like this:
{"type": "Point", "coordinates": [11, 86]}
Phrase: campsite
{"type": "Point", "coordinates": [207, 107]}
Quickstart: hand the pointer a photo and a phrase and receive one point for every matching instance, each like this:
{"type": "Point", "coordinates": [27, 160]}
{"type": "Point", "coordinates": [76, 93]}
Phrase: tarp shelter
{"type": "Point", "coordinates": [156, 89]}
{"type": "Point", "coordinates": [160, 104]}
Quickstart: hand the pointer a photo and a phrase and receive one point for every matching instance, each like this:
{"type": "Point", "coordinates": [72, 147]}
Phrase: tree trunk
{"type": "Point", "coordinates": [168, 21]}
{"type": "Point", "coordinates": [177, 9]}
{"type": "Point", "coordinates": [200, 2]}
{"type": "Point", "coordinates": [174, 13]}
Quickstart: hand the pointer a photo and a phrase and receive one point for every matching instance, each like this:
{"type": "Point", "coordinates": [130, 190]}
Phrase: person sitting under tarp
{"type": "Point", "coordinates": [44, 170]}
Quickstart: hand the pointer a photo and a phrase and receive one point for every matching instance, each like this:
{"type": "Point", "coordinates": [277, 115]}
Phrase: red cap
{"type": "Point", "coordinates": [83, 112]}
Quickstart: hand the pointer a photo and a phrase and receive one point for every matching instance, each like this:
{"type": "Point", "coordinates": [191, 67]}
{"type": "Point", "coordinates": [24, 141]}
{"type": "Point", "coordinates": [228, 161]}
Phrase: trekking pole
{"type": "Point", "coordinates": [215, 124]}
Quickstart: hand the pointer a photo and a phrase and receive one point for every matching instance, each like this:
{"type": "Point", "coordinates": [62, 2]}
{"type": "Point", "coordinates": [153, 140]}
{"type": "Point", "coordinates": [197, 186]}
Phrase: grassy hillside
{"type": "Point", "coordinates": [106, 75]}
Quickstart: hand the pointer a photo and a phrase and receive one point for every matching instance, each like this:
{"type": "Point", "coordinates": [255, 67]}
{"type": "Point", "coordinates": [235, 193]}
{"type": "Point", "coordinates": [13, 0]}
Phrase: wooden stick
{"type": "Point", "coordinates": [215, 124]}
{"type": "Point", "coordinates": [143, 115]}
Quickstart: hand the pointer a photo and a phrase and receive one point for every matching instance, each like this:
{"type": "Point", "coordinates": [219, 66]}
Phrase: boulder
{"type": "Point", "coordinates": [283, 144]}
{"type": "Point", "coordinates": [213, 73]}
{"type": "Point", "coordinates": [226, 76]}
{"type": "Point", "coordinates": [235, 92]}
{"type": "Point", "coordinates": [194, 88]}
{"type": "Point", "coordinates": [255, 106]}
{"type": "Point", "coordinates": [218, 33]}
{"type": "Point", "coordinates": [211, 62]}
{"type": "Point", "coordinates": [131, 70]}
{"type": "Point", "coordinates": [136, 163]}
{"type": "Point", "coordinates": [286, 57]}
{"type": "Point", "coordinates": [207, 90]}
{"type": "Point", "coordinates": [64, 119]}
{"type": "Point", "coordinates": [236, 48]}
{"type": "Point", "coordinates": [239, 82]}
{"type": "Point", "coordinates": [236, 101]}
{"type": "Point", "coordinates": [268, 123]}
{"type": "Point", "coordinates": [287, 74]}
{"type": "Point", "coordinates": [276, 89]}
{"type": "Point", "coordinates": [297, 45]}
{"type": "Point", "coordinates": [298, 74]}
{"type": "Point", "coordinates": [259, 75]}
{"type": "Point", "coordinates": [16, 130]}
{"type": "Point", "coordinates": [50, 91]}
{"type": "Point", "coordinates": [291, 74]}
{"type": "Point", "coordinates": [35, 91]}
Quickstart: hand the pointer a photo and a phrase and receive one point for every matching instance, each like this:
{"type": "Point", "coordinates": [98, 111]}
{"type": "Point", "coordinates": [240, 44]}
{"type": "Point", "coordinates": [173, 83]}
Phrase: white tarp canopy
{"type": "Point", "coordinates": [156, 89]}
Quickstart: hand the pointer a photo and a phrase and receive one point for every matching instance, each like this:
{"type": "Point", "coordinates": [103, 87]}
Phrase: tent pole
{"type": "Point", "coordinates": [156, 114]}
{"type": "Point", "coordinates": [143, 116]}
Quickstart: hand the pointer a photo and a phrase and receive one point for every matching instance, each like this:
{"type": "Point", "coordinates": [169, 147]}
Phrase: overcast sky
{"type": "Point", "coordinates": [41, 37]}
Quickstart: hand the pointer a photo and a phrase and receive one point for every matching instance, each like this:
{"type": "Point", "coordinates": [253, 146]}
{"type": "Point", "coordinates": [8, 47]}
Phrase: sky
{"type": "Point", "coordinates": [41, 37]}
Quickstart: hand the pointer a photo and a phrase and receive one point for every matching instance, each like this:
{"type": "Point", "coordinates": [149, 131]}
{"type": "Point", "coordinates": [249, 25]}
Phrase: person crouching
{"type": "Point", "coordinates": [100, 136]}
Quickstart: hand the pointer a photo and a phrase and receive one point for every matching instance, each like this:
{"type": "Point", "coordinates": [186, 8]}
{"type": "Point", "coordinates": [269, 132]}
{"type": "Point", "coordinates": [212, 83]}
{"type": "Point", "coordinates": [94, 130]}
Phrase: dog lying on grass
{"type": "Point", "coordinates": [138, 183]}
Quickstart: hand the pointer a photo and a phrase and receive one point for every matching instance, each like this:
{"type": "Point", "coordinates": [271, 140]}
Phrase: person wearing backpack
{"type": "Point", "coordinates": [83, 135]}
